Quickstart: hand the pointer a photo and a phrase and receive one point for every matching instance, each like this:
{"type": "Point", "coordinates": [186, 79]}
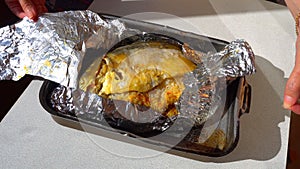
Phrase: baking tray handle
{"type": "Point", "coordinates": [244, 97]}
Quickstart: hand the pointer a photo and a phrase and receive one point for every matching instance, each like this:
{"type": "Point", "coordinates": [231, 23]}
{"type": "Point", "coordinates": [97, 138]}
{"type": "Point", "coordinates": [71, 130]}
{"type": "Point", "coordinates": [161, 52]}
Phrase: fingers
{"type": "Point", "coordinates": [292, 89]}
{"type": "Point", "coordinates": [296, 108]}
{"type": "Point", "coordinates": [16, 8]}
{"type": "Point", "coordinates": [30, 8]}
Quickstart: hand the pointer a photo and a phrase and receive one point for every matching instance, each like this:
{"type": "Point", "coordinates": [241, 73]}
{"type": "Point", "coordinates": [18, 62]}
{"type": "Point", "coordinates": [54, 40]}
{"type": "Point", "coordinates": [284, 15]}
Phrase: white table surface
{"type": "Point", "coordinates": [30, 138]}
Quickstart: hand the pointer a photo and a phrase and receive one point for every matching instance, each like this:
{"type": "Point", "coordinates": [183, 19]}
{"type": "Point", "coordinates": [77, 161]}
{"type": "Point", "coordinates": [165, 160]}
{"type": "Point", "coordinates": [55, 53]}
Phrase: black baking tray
{"type": "Point", "coordinates": [237, 101]}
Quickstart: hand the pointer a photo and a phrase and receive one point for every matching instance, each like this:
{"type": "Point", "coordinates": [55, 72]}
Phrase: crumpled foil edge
{"type": "Point", "coordinates": [54, 46]}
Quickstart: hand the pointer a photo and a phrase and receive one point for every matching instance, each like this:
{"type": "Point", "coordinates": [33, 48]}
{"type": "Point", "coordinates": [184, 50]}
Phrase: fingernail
{"type": "Point", "coordinates": [30, 13]}
{"type": "Point", "coordinates": [288, 102]}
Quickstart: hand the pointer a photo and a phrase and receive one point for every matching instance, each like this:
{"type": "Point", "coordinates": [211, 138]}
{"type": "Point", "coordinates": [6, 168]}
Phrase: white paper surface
{"type": "Point", "coordinates": [30, 138]}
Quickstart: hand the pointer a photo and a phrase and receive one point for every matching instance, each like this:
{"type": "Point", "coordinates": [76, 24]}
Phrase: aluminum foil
{"type": "Point", "coordinates": [201, 97]}
{"type": "Point", "coordinates": [55, 47]}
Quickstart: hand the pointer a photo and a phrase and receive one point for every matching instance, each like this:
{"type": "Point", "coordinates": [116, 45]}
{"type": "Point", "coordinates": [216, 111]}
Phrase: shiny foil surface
{"type": "Point", "coordinates": [200, 99]}
{"type": "Point", "coordinates": [54, 46]}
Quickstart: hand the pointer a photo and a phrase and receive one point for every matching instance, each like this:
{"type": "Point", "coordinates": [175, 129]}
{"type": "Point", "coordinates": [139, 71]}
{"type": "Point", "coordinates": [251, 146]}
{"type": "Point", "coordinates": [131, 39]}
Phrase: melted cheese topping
{"type": "Point", "coordinates": [148, 74]}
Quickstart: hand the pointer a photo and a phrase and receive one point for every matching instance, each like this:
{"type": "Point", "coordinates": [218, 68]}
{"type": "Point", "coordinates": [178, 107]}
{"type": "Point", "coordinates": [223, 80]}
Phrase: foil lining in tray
{"type": "Point", "coordinates": [56, 46]}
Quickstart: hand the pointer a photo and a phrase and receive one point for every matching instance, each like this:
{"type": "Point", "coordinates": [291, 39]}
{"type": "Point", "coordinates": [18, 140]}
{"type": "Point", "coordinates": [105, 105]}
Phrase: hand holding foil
{"type": "Point", "coordinates": [31, 9]}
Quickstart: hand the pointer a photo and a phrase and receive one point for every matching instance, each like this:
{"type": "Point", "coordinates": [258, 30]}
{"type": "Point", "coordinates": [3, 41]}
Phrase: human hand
{"type": "Point", "coordinates": [30, 8]}
{"type": "Point", "coordinates": [292, 89]}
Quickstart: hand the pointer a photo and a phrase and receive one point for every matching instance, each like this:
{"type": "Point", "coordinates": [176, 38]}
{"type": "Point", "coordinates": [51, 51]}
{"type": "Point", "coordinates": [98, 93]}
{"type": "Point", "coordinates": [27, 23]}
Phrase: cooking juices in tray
{"type": "Point", "coordinates": [137, 87]}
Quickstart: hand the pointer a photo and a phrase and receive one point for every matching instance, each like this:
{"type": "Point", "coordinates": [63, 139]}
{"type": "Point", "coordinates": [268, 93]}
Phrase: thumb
{"type": "Point", "coordinates": [292, 89]}
{"type": "Point", "coordinates": [29, 8]}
